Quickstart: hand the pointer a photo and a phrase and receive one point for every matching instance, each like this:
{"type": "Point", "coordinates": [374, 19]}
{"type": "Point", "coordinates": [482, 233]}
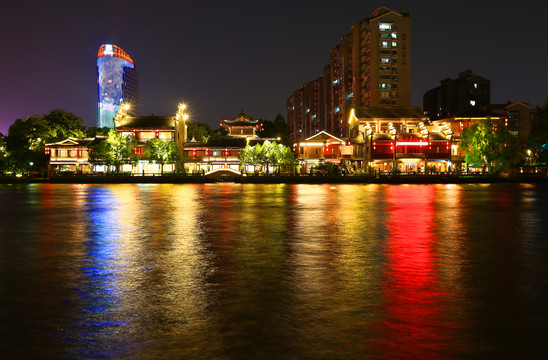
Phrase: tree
{"type": "Point", "coordinates": [114, 150]}
{"type": "Point", "coordinates": [287, 157]}
{"type": "Point", "coordinates": [27, 138]}
{"type": "Point", "coordinates": [4, 160]}
{"type": "Point", "coordinates": [64, 124]}
{"type": "Point", "coordinates": [198, 130]}
{"type": "Point", "coordinates": [99, 152]}
{"type": "Point", "coordinates": [538, 140]}
{"type": "Point", "coordinates": [489, 144]}
{"type": "Point", "coordinates": [93, 131]}
{"type": "Point", "coordinates": [121, 148]}
{"type": "Point", "coordinates": [25, 143]}
{"type": "Point", "coordinates": [268, 153]}
{"type": "Point", "coordinates": [163, 151]}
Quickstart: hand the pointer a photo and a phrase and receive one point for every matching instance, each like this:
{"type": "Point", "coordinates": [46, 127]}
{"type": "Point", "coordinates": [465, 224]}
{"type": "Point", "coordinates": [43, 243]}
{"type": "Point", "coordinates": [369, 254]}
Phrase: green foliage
{"type": "Point", "coordinates": [327, 168]}
{"type": "Point", "coordinates": [199, 131]}
{"type": "Point", "coordinates": [163, 151]}
{"type": "Point", "coordinates": [220, 132]}
{"type": "Point", "coordinates": [99, 152]}
{"type": "Point", "coordinates": [64, 124]}
{"type": "Point", "coordinates": [4, 160]}
{"type": "Point", "coordinates": [27, 138]}
{"type": "Point", "coordinates": [92, 132]}
{"type": "Point", "coordinates": [113, 151]}
{"type": "Point", "coordinates": [489, 144]}
{"type": "Point", "coordinates": [269, 153]}
{"type": "Point", "coordinates": [538, 140]}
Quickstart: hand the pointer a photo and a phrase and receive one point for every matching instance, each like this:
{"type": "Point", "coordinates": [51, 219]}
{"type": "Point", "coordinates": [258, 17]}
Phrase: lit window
{"type": "Point", "coordinates": [473, 102]}
{"type": "Point", "coordinates": [383, 26]}
{"type": "Point", "coordinates": [394, 44]}
{"type": "Point", "coordinates": [394, 35]}
{"type": "Point", "coordinates": [384, 44]}
{"type": "Point", "coordinates": [385, 60]}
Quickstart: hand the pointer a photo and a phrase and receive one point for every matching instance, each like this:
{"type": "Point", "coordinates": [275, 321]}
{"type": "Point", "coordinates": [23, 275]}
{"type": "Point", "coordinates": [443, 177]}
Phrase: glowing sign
{"type": "Point", "coordinates": [108, 50]}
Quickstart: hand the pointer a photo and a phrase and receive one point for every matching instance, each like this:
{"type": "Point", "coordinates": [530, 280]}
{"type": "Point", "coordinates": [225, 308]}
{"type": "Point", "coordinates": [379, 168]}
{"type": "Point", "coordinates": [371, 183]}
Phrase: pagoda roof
{"type": "Point", "coordinates": [241, 120]}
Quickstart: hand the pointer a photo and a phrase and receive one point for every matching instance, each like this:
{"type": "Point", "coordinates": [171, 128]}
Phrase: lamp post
{"type": "Point", "coordinates": [181, 117]}
{"type": "Point", "coordinates": [180, 127]}
{"type": "Point", "coordinates": [367, 133]}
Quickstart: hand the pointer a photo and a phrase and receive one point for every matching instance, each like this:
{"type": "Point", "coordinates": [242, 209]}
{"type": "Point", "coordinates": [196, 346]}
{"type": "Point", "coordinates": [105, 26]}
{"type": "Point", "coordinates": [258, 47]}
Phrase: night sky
{"type": "Point", "coordinates": [224, 56]}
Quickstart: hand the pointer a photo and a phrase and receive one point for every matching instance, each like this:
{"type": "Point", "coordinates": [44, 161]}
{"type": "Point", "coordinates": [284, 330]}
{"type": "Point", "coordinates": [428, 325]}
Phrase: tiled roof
{"type": "Point", "coordinates": [147, 122]}
{"type": "Point", "coordinates": [73, 142]}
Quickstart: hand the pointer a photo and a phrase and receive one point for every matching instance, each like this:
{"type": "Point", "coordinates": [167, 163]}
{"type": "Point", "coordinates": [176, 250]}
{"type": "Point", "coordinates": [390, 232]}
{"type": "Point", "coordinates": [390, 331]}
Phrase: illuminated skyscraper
{"type": "Point", "coordinates": [117, 82]}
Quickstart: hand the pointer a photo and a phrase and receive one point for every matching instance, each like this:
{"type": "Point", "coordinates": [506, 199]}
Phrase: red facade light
{"type": "Point", "coordinates": [412, 143]}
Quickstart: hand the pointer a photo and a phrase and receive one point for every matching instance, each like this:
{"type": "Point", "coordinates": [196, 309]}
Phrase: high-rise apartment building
{"type": "Point", "coordinates": [117, 83]}
{"type": "Point", "coordinates": [370, 67]}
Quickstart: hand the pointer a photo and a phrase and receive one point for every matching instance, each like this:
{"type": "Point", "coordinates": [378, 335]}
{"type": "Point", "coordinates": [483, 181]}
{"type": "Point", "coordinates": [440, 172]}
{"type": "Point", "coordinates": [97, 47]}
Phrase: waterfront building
{"type": "Point", "coordinates": [70, 155]}
{"type": "Point", "coordinates": [384, 140]}
{"type": "Point", "coordinates": [321, 148]}
{"type": "Point", "coordinates": [241, 126]}
{"type": "Point", "coordinates": [399, 140]}
{"type": "Point", "coordinates": [219, 153]}
{"type": "Point", "coordinates": [117, 83]}
{"type": "Point", "coordinates": [370, 67]}
{"type": "Point", "coordinates": [146, 128]}
{"type": "Point", "coordinates": [517, 117]}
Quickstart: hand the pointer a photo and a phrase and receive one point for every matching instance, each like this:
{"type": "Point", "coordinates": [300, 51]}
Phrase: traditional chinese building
{"type": "Point", "coordinates": [241, 126]}
{"type": "Point", "coordinates": [73, 154]}
{"type": "Point", "coordinates": [321, 148]}
{"type": "Point", "coordinates": [70, 155]}
{"type": "Point", "coordinates": [385, 140]}
{"type": "Point", "coordinates": [222, 152]}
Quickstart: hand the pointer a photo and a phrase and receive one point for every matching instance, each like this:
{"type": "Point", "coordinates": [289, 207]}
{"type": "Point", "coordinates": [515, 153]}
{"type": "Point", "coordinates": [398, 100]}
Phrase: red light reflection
{"type": "Point", "coordinates": [413, 310]}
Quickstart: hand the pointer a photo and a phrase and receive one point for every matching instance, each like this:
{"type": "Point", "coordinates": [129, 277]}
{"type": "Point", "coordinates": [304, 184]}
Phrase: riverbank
{"type": "Point", "coordinates": [358, 179]}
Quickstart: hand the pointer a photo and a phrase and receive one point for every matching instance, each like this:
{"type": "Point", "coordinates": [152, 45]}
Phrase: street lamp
{"type": "Point", "coordinates": [367, 132]}
{"type": "Point", "coordinates": [180, 118]}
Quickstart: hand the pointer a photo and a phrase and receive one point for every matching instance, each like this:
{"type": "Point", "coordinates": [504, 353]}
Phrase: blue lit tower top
{"type": "Point", "coordinates": [117, 82]}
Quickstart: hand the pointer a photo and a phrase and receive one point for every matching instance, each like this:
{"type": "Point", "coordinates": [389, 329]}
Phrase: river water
{"type": "Point", "coordinates": [229, 271]}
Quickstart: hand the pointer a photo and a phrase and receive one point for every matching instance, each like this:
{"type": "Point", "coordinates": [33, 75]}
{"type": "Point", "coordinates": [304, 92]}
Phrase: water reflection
{"type": "Point", "coordinates": [412, 325]}
{"type": "Point", "coordinates": [228, 271]}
